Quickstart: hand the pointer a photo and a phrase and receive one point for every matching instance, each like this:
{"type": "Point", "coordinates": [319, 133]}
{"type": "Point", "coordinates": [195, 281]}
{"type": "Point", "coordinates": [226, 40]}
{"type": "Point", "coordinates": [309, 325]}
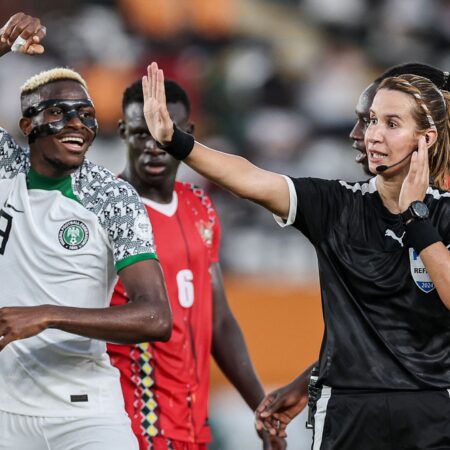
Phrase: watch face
{"type": "Point", "coordinates": [420, 210]}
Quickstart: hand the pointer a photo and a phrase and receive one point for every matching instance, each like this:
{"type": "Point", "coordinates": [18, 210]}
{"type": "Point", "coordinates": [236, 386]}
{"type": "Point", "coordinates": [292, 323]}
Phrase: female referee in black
{"type": "Point", "coordinates": [384, 265]}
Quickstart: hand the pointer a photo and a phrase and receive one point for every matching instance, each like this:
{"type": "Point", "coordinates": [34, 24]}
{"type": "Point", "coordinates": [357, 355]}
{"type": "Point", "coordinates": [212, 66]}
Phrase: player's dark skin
{"type": "Point", "coordinates": [362, 120]}
{"type": "Point", "coordinates": [147, 316]}
{"type": "Point", "coordinates": [152, 172]}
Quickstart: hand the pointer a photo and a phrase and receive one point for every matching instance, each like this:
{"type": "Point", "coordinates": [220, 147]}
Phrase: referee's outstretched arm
{"type": "Point", "coordinates": [269, 189]}
{"type": "Point", "coordinates": [232, 172]}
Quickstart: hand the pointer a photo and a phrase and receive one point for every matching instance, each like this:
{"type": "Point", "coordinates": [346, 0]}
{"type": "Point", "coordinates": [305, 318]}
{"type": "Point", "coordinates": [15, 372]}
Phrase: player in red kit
{"type": "Point", "coordinates": [166, 387]}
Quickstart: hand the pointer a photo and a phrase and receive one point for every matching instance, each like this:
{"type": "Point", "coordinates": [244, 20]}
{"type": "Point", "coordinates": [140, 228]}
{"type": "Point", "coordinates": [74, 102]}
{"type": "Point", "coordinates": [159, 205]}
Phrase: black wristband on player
{"type": "Point", "coordinates": [181, 144]}
{"type": "Point", "coordinates": [420, 234]}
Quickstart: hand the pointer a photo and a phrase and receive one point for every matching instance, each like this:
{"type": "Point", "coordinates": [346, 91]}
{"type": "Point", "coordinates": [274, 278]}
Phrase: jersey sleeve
{"type": "Point", "coordinates": [13, 158]}
{"type": "Point", "coordinates": [318, 205]}
{"type": "Point", "coordinates": [128, 226]}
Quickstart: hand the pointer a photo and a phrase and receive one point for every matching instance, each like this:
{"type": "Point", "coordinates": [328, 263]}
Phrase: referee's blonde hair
{"type": "Point", "coordinates": [50, 76]}
{"type": "Point", "coordinates": [431, 111]}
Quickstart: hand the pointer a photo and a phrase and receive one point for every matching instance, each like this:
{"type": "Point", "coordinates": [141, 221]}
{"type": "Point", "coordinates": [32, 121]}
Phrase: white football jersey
{"type": "Point", "coordinates": [62, 241]}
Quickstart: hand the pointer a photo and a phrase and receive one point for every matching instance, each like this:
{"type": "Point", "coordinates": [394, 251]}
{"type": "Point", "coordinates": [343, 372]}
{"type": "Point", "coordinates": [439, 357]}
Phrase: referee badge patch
{"type": "Point", "coordinates": [419, 272]}
{"type": "Point", "coordinates": [73, 235]}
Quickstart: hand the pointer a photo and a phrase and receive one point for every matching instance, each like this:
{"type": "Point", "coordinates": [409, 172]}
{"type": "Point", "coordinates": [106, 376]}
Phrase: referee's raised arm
{"type": "Point", "coordinates": [232, 172]}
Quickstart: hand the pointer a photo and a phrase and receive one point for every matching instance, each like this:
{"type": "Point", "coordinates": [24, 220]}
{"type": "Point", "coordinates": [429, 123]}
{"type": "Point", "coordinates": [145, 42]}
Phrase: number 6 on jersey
{"type": "Point", "coordinates": [185, 288]}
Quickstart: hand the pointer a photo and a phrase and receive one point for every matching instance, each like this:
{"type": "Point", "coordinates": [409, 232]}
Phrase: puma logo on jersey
{"type": "Point", "coordinates": [391, 234]}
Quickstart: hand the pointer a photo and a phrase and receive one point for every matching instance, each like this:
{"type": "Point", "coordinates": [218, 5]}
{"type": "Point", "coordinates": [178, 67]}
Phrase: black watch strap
{"type": "Point", "coordinates": [417, 211]}
{"type": "Point", "coordinates": [406, 215]}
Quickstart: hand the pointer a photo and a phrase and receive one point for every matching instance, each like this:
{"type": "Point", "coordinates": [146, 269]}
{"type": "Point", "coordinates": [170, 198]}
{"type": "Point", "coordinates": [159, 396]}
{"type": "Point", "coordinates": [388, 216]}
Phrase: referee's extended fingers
{"type": "Point", "coordinates": [160, 89]}
{"type": "Point", "coordinates": [145, 87]}
{"type": "Point", "coordinates": [413, 167]}
{"type": "Point", "coordinates": [153, 79]}
{"type": "Point", "coordinates": [422, 161]}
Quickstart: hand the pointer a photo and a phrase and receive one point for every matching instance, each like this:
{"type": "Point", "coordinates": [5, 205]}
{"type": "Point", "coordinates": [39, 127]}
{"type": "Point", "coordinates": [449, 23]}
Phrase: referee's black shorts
{"type": "Point", "coordinates": [395, 420]}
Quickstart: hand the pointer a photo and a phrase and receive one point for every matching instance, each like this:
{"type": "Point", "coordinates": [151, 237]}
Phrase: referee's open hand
{"type": "Point", "coordinates": [156, 114]}
{"type": "Point", "coordinates": [23, 33]}
{"type": "Point", "coordinates": [416, 183]}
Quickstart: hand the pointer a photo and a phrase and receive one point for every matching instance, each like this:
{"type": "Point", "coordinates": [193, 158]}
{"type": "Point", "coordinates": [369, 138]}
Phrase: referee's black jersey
{"type": "Point", "coordinates": [385, 325]}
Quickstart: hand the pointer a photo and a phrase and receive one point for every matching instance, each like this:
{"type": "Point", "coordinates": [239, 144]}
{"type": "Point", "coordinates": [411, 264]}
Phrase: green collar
{"type": "Point", "coordinates": [63, 184]}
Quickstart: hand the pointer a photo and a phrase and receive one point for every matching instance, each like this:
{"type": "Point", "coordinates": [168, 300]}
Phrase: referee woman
{"type": "Point", "coordinates": [384, 265]}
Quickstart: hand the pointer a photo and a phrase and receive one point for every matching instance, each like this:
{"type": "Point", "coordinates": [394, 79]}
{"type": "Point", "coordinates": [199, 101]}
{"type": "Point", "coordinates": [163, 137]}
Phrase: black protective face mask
{"type": "Point", "coordinates": [69, 110]}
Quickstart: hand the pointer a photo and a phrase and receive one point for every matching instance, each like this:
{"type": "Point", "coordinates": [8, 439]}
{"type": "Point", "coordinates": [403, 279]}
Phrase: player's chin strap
{"type": "Point", "coordinates": [70, 109]}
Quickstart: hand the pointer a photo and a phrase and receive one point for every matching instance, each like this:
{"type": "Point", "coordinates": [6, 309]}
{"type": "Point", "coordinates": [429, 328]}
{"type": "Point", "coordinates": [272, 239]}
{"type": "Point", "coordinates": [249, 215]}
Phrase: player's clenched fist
{"type": "Point", "coordinates": [23, 33]}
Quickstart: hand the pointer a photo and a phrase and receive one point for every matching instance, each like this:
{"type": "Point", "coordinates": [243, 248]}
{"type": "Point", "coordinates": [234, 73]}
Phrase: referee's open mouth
{"type": "Point", "coordinates": [375, 156]}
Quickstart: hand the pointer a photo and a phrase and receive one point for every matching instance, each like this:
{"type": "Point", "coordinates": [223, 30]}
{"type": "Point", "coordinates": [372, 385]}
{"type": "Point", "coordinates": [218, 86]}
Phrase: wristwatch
{"type": "Point", "coordinates": [417, 211]}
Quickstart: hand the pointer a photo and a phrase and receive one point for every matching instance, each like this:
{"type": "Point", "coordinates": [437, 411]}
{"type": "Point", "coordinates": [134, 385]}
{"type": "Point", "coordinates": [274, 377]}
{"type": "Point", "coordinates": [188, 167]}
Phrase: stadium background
{"type": "Point", "coordinates": [273, 80]}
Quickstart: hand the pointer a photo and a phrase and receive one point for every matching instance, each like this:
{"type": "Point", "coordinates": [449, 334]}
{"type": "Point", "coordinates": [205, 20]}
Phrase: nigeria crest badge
{"type": "Point", "coordinates": [419, 272]}
{"type": "Point", "coordinates": [73, 235]}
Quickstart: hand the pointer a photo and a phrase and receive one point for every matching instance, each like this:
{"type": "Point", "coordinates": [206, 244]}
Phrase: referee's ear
{"type": "Point", "coordinates": [25, 125]}
{"type": "Point", "coordinates": [430, 136]}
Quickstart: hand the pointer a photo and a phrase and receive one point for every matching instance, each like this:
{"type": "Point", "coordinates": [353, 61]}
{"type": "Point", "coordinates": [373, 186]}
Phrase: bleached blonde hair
{"type": "Point", "coordinates": [49, 76]}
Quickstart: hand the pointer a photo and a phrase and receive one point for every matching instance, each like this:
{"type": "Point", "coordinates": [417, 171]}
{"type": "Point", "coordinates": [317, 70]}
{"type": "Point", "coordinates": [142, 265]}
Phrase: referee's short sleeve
{"type": "Point", "coordinates": [292, 205]}
{"type": "Point", "coordinates": [318, 204]}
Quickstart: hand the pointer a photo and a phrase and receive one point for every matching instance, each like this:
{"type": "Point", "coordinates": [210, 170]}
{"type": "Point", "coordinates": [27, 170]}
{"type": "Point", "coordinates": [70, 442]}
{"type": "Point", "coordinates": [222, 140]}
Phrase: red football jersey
{"type": "Point", "coordinates": [166, 385]}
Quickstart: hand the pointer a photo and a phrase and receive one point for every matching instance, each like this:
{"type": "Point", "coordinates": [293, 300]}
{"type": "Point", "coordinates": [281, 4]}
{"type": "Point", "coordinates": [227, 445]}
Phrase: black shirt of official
{"type": "Point", "coordinates": [385, 325]}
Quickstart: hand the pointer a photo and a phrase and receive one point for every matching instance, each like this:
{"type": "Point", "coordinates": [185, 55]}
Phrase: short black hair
{"type": "Point", "coordinates": [435, 75]}
{"type": "Point", "coordinates": [174, 94]}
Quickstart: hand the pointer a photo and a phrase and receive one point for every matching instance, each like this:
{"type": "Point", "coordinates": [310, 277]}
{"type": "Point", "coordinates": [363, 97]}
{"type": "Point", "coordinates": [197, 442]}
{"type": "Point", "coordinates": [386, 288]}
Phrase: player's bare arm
{"type": "Point", "coordinates": [146, 317]}
{"type": "Point", "coordinates": [20, 27]}
{"type": "Point", "coordinates": [232, 172]}
{"type": "Point", "coordinates": [228, 346]}
{"type": "Point", "coordinates": [435, 257]}
{"type": "Point", "coordinates": [231, 354]}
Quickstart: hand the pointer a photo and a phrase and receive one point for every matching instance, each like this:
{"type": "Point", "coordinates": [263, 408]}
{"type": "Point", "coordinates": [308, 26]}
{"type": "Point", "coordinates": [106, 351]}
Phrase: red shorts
{"type": "Point", "coordinates": [160, 443]}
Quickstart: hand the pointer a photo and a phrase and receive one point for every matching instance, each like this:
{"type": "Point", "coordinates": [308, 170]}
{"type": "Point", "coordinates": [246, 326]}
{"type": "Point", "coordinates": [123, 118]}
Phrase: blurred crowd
{"type": "Point", "coordinates": [273, 80]}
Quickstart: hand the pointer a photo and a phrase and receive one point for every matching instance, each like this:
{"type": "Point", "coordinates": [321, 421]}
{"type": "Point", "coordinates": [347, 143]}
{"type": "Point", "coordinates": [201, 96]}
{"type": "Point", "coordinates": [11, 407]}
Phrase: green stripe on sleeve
{"type": "Point", "coordinates": [134, 259]}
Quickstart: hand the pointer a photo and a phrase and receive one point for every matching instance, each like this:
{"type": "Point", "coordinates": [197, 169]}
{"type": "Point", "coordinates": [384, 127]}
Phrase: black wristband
{"type": "Point", "coordinates": [420, 234]}
{"type": "Point", "coordinates": [181, 144]}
